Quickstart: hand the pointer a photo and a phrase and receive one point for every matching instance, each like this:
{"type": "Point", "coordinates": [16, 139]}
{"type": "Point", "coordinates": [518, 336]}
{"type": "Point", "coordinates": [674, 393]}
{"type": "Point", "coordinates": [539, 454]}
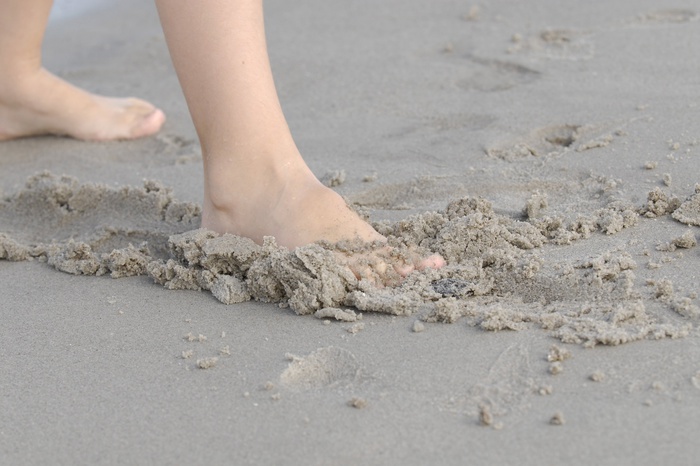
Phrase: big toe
{"type": "Point", "coordinates": [148, 124]}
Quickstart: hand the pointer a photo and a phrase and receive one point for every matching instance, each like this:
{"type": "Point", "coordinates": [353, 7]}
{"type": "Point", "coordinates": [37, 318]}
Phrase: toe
{"type": "Point", "coordinates": [404, 269]}
{"type": "Point", "coordinates": [149, 124]}
{"type": "Point", "coordinates": [431, 262]}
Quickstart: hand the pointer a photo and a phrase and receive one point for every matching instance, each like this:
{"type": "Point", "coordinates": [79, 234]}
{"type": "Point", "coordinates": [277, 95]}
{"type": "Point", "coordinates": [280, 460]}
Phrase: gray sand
{"type": "Point", "coordinates": [549, 154]}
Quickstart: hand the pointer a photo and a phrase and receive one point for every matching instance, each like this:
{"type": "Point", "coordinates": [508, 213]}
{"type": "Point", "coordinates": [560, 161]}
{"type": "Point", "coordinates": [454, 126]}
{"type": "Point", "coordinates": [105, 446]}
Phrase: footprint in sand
{"type": "Point", "coordinates": [325, 367]}
{"type": "Point", "coordinates": [549, 140]}
{"type": "Point", "coordinates": [669, 15]}
{"type": "Point", "coordinates": [182, 149]}
{"type": "Point", "coordinates": [54, 211]}
{"type": "Point", "coordinates": [506, 389]}
{"type": "Point", "coordinates": [490, 75]}
{"type": "Point", "coordinates": [555, 44]}
{"type": "Point", "coordinates": [555, 140]}
{"type": "Point", "coordinates": [419, 192]}
{"type": "Point", "coordinates": [427, 126]}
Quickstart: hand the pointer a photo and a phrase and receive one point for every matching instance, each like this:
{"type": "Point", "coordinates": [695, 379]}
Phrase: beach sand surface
{"type": "Point", "coordinates": [550, 153]}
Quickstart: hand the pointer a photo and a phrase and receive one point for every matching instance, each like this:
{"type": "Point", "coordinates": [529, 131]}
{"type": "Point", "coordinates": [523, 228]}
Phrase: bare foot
{"type": "Point", "coordinates": [297, 209]}
{"type": "Point", "coordinates": [42, 103]}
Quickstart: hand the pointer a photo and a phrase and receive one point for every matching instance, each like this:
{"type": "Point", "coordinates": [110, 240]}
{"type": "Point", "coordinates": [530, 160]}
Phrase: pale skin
{"type": "Point", "coordinates": [256, 182]}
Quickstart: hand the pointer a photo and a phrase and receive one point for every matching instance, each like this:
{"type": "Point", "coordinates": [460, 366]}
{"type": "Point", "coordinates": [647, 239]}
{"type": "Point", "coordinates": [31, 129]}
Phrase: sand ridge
{"type": "Point", "coordinates": [495, 278]}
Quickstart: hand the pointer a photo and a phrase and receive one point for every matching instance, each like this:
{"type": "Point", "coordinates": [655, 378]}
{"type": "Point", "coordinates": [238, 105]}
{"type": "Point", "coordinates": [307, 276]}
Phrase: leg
{"type": "Point", "coordinates": [34, 101]}
{"type": "Point", "coordinates": [256, 182]}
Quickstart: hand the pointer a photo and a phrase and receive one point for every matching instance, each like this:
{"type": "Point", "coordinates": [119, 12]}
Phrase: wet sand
{"type": "Point", "coordinates": [550, 155]}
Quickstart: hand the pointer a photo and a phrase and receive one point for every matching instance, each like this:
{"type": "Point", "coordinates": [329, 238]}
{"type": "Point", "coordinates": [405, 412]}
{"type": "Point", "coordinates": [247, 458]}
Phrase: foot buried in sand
{"type": "Point", "coordinates": [380, 264]}
{"type": "Point", "coordinates": [303, 211]}
{"type": "Point", "coordinates": [43, 104]}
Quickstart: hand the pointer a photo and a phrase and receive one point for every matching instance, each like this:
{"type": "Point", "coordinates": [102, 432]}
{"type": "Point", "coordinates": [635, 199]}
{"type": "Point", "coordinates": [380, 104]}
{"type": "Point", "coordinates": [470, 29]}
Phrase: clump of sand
{"type": "Point", "coordinates": [357, 403]}
{"type": "Point", "coordinates": [12, 250]}
{"type": "Point", "coordinates": [557, 419]}
{"type": "Point", "coordinates": [659, 203]}
{"type": "Point", "coordinates": [207, 363]}
{"type": "Point", "coordinates": [344, 315]}
{"type": "Point", "coordinates": [334, 178]}
{"type": "Point", "coordinates": [558, 354]}
{"type": "Point", "coordinates": [689, 211]}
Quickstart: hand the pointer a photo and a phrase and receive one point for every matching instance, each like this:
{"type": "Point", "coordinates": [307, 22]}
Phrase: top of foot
{"type": "Point", "coordinates": [43, 104]}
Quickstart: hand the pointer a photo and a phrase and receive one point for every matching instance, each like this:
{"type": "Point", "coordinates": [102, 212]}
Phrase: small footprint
{"type": "Point", "coordinates": [174, 141]}
{"type": "Point", "coordinates": [490, 75]}
{"type": "Point", "coordinates": [461, 121]}
{"type": "Point", "coordinates": [325, 367]}
{"type": "Point", "coordinates": [408, 195]}
{"type": "Point", "coordinates": [185, 150]}
{"type": "Point", "coordinates": [555, 44]}
{"type": "Point", "coordinates": [549, 140]}
{"type": "Point", "coordinates": [506, 390]}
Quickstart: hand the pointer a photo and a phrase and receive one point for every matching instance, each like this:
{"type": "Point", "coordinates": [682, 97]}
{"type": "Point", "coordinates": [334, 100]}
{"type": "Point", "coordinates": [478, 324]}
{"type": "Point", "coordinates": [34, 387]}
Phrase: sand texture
{"type": "Point", "coordinates": [549, 154]}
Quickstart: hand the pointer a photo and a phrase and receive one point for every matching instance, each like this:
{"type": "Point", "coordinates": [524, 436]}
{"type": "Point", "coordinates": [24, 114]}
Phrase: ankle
{"type": "Point", "coordinates": [256, 201]}
{"type": "Point", "coordinates": [253, 174]}
{"type": "Point", "coordinates": [19, 84]}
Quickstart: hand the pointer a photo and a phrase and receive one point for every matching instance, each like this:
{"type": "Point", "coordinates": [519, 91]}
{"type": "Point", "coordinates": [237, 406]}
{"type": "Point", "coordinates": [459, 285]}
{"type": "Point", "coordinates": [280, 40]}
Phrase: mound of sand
{"type": "Point", "coordinates": [494, 277]}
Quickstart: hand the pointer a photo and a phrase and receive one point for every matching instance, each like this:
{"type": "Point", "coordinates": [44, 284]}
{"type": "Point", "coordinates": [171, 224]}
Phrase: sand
{"type": "Point", "coordinates": [549, 155]}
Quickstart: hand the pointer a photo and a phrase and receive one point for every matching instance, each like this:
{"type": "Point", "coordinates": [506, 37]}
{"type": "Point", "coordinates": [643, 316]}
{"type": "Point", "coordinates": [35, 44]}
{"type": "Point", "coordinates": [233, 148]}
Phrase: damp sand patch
{"type": "Point", "coordinates": [495, 279]}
